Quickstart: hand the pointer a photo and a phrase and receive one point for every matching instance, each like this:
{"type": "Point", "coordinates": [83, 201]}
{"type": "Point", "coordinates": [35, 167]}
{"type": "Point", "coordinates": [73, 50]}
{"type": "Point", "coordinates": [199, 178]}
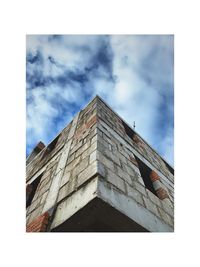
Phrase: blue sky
{"type": "Point", "coordinates": [132, 73]}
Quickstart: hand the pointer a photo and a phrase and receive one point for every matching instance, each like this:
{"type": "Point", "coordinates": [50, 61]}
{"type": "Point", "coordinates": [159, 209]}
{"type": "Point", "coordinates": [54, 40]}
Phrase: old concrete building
{"type": "Point", "coordinates": [98, 174]}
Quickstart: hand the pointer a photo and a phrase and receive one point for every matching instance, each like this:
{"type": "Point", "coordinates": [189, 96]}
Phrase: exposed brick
{"type": "Point", "coordinates": [79, 131]}
{"type": "Point", "coordinates": [101, 148]}
{"type": "Point", "coordinates": [91, 122]}
{"type": "Point", "coordinates": [154, 176]}
{"type": "Point", "coordinates": [162, 193]}
{"type": "Point", "coordinates": [39, 224]}
{"type": "Point", "coordinates": [34, 214]}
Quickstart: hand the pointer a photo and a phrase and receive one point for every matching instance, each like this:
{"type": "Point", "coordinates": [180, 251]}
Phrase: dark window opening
{"type": "Point", "coordinates": [51, 146]}
{"type": "Point", "coordinates": [169, 168]}
{"type": "Point", "coordinates": [128, 130]}
{"type": "Point", "coordinates": [145, 173]}
{"type": "Point", "coordinates": [34, 186]}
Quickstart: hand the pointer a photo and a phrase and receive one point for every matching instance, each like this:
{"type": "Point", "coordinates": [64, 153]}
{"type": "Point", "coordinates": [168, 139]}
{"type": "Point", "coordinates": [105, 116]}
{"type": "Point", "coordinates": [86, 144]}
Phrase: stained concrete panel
{"type": "Point", "coordinates": [99, 207]}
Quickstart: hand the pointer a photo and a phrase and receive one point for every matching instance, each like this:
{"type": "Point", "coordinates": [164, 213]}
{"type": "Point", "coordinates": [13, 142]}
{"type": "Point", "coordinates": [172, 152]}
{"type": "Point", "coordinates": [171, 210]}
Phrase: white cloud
{"type": "Point", "coordinates": [167, 147]}
{"type": "Point", "coordinates": [68, 52]}
{"type": "Point", "coordinates": [143, 71]}
{"type": "Point", "coordinates": [40, 113]}
{"type": "Point", "coordinates": [134, 97]}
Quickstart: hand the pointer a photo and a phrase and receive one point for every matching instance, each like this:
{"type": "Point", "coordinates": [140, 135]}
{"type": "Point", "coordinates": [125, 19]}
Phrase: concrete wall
{"type": "Point", "coordinates": [116, 152]}
{"type": "Point", "coordinates": [79, 141]}
{"type": "Point", "coordinates": [95, 158]}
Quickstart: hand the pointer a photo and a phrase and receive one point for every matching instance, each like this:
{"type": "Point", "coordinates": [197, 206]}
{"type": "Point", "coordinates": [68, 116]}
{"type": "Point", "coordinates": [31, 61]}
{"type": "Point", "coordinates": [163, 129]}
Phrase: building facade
{"type": "Point", "coordinates": [98, 175]}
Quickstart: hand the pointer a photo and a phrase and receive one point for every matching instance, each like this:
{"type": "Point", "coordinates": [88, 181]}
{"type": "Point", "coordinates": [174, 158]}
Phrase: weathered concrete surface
{"type": "Point", "coordinates": [75, 202]}
{"type": "Point", "coordinates": [99, 143]}
{"type": "Point", "coordinates": [132, 209]}
{"type": "Point", "coordinates": [55, 186]}
{"type": "Point", "coordinates": [98, 216]}
{"type": "Point", "coordinates": [121, 207]}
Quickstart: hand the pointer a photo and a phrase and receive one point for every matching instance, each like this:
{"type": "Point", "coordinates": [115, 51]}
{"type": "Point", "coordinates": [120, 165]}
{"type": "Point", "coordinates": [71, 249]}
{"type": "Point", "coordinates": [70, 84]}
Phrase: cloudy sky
{"type": "Point", "coordinates": [132, 73]}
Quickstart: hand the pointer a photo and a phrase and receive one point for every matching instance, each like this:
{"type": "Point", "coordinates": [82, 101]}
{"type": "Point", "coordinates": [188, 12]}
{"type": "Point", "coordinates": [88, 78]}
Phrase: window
{"type": "Point", "coordinates": [128, 130]}
{"type": "Point", "coordinates": [169, 167]}
{"type": "Point", "coordinates": [145, 173]}
{"type": "Point", "coordinates": [33, 187]}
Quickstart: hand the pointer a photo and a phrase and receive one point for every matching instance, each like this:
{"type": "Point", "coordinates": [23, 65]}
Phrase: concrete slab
{"type": "Point", "coordinates": [98, 207]}
{"type": "Point", "coordinates": [74, 203]}
{"type": "Point", "coordinates": [98, 216]}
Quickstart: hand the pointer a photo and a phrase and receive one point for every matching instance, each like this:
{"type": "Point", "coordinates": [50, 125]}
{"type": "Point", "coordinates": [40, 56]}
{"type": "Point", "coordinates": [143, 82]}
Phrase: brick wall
{"type": "Point", "coordinates": [116, 154]}
{"type": "Point", "coordinates": [100, 145]}
{"type": "Point", "coordinates": [39, 224]}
